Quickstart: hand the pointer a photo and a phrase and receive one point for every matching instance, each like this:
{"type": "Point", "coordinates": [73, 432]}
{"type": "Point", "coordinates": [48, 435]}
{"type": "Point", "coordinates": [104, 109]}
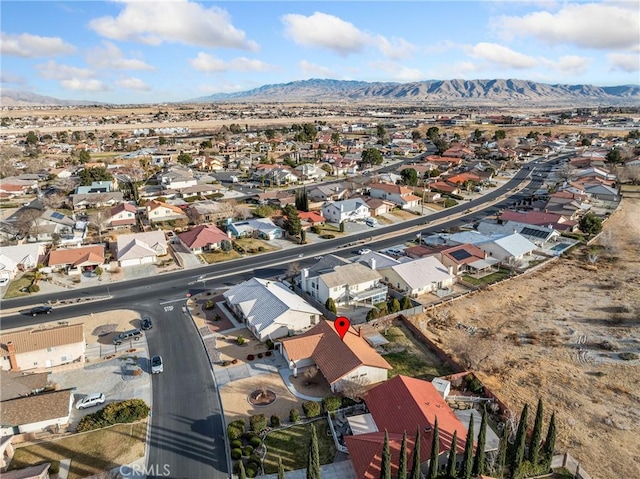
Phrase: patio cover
{"type": "Point", "coordinates": [362, 424]}
{"type": "Point", "coordinates": [483, 263]}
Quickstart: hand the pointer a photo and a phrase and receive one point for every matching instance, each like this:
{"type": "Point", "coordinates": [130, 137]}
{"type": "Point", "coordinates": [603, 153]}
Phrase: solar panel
{"type": "Point", "coordinates": [460, 254]}
{"type": "Point", "coordinates": [57, 215]}
{"type": "Point", "coordinates": [533, 232]}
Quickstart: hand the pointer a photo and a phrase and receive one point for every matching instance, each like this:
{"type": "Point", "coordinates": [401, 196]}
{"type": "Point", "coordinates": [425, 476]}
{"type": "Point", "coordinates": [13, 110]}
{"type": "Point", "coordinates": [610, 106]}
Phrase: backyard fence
{"type": "Point", "coordinates": [570, 464]}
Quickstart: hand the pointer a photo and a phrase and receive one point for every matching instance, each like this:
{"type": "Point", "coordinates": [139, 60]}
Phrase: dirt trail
{"type": "Point", "coordinates": [558, 333]}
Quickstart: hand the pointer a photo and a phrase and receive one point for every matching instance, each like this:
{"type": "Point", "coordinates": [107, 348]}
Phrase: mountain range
{"type": "Point", "coordinates": [508, 93]}
{"type": "Point", "coordinates": [470, 92]}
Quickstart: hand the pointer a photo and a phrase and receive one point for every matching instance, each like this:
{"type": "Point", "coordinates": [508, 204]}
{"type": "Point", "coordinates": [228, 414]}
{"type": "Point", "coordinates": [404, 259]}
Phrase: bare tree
{"type": "Point", "coordinates": [310, 375]}
{"type": "Point", "coordinates": [293, 269]}
{"type": "Point", "coordinates": [28, 222]}
{"type": "Point", "coordinates": [630, 173]}
{"type": "Point", "coordinates": [567, 172]}
{"type": "Point", "coordinates": [607, 241]}
{"type": "Point", "coordinates": [593, 257]}
{"type": "Point", "coordinates": [354, 388]}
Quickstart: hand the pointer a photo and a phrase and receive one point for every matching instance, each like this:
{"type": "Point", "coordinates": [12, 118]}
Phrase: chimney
{"type": "Point", "coordinates": [13, 363]}
{"type": "Point", "coordinates": [372, 263]}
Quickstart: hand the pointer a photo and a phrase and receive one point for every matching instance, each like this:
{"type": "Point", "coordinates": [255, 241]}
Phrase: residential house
{"type": "Point", "coordinates": [444, 187]}
{"type": "Point", "coordinates": [419, 276]}
{"type": "Point", "coordinates": [41, 224]}
{"type": "Point", "coordinates": [203, 238]}
{"type": "Point", "coordinates": [347, 210]}
{"type": "Point", "coordinates": [21, 257]}
{"type": "Point", "coordinates": [398, 194]}
{"type": "Point", "coordinates": [310, 218]}
{"type": "Point", "coordinates": [140, 248]}
{"type": "Point", "coordinates": [538, 235]}
{"type": "Point", "coordinates": [274, 175]}
{"type": "Point", "coordinates": [15, 384]}
{"type": "Point", "coordinates": [33, 348]}
{"type": "Point", "coordinates": [157, 212]}
{"type": "Point", "coordinates": [342, 362]}
{"type": "Point", "coordinates": [552, 220]}
{"type": "Point", "coordinates": [81, 201]}
{"type": "Point", "coordinates": [309, 171]}
{"type": "Point", "coordinates": [603, 192]}
{"type": "Point", "coordinates": [41, 471]}
{"type": "Point", "coordinates": [8, 267]}
{"type": "Point", "coordinates": [256, 227]}
{"type": "Point", "coordinates": [378, 207]}
{"type": "Point", "coordinates": [401, 405]}
{"type": "Point", "coordinates": [176, 177]}
{"type": "Point", "coordinates": [344, 166]}
{"type": "Point", "coordinates": [331, 192]}
{"type": "Point", "coordinates": [513, 247]}
{"type": "Point", "coordinates": [462, 258]}
{"type": "Point", "coordinates": [270, 309]}
{"type": "Point", "coordinates": [74, 261]}
{"type": "Point", "coordinates": [35, 413]}
{"type": "Point", "coordinates": [97, 187]}
{"type": "Point", "coordinates": [202, 190]}
{"type": "Point", "coordinates": [208, 211]}
{"type": "Point", "coordinates": [346, 284]}
{"type": "Point", "coordinates": [122, 215]}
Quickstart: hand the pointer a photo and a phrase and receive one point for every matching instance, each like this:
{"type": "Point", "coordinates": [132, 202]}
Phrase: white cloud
{"type": "Point", "coordinates": [396, 48]}
{"type": "Point", "coordinates": [178, 21]}
{"type": "Point", "coordinates": [133, 84]}
{"type": "Point", "coordinates": [110, 56]}
{"type": "Point", "coordinates": [572, 65]}
{"type": "Point", "coordinates": [397, 72]}
{"type": "Point", "coordinates": [312, 70]}
{"type": "Point", "coordinates": [221, 88]}
{"type": "Point", "coordinates": [83, 84]}
{"type": "Point", "coordinates": [608, 25]}
{"type": "Point", "coordinates": [33, 46]}
{"type": "Point", "coordinates": [500, 56]}
{"type": "Point", "coordinates": [208, 63]}
{"type": "Point", "coordinates": [54, 71]}
{"type": "Point", "coordinates": [626, 62]}
{"type": "Point", "coordinates": [321, 30]}
{"type": "Point", "coordinates": [10, 78]}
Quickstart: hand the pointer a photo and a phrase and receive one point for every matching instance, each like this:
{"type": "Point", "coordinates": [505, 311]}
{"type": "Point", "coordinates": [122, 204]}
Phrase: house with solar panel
{"type": "Point", "coordinates": [468, 259]}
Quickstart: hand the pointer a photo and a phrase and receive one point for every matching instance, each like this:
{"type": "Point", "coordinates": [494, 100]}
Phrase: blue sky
{"type": "Point", "coordinates": [143, 51]}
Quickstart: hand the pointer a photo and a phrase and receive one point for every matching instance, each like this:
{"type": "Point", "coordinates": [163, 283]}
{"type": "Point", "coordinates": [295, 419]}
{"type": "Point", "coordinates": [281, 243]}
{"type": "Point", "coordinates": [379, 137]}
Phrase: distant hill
{"type": "Point", "coordinates": [25, 98]}
{"type": "Point", "coordinates": [478, 92]}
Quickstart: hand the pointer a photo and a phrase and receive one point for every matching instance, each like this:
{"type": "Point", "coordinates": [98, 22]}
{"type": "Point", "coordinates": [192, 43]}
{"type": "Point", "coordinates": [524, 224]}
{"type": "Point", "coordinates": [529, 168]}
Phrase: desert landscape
{"type": "Point", "coordinates": [567, 333]}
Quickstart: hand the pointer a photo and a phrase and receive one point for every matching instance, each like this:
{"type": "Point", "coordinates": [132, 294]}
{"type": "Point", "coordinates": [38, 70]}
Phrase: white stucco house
{"type": "Point", "coordinates": [140, 248]}
{"type": "Point", "coordinates": [347, 210]}
{"type": "Point", "coordinates": [419, 276]}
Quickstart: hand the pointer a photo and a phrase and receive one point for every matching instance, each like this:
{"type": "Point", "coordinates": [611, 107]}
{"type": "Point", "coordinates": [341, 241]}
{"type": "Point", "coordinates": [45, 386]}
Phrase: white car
{"type": "Point", "coordinates": [157, 366]}
{"type": "Point", "coordinates": [90, 400]}
{"type": "Point", "coordinates": [364, 251]}
{"type": "Point", "coordinates": [4, 281]}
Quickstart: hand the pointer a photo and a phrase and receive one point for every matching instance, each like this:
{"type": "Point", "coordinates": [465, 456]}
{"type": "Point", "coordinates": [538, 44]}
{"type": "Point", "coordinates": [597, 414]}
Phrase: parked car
{"type": "Point", "coordinates": [364, 251]}
{"type": "Point", "coordinates": [156, 365]}
{"type": "Point", "coordinates": [90, 400]}
{"type": "Point", "coordinates": [134, 334]}
{"type": "Point", "coordinates": [4, 281]}
{"type": "Point", "coordinates": [40, 310]}
{"type": "Point", "coordinates": [145, 323]}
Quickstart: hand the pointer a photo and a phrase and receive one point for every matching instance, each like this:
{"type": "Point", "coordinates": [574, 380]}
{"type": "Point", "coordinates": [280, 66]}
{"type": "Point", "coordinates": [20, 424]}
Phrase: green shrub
{"type": "Point", "coordinates": [270, 344]}
{"type": "Point", "coordinates": [210, 304]}
{"type": "Point", "coordinates": [34, 288]}
{"type": "Point", "coordinates": [247, 451]}
{"type": "Point", "coordinates": [240, 340]}
{"type": "Point", "coordinates": [120, 412]}
{"type": "Point", "coordinates": [235, 429]}
{"type": "Point", "coordinates": [474, 384]}
{"type": "Point", "coordinates": [251, 471]}
{"type": "Point", "coordinates": [275, 421]}
{"type": "Point", "coordinates": [236, 443]}
{"type": "Point", "coordinates": [294, 415]}
{"type": "Point", "coordinates": [255, 441]}
{"type": "Point", "coordinates": [311, 408]}
{"type": "Point", "coordinates": [331, 403]}
{"type": "Point", "coordinates": [236, 453]}
{"type": "Point", "coordinates": [258, 423]}
{"type": "Point", "coordinates": [255, 460]}
{"type": "Point", "coordinates": [54, 468]}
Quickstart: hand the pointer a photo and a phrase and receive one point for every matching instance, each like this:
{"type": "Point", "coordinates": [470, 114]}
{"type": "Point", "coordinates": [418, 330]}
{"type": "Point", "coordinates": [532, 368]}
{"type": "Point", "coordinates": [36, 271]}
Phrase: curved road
{"type": "Point", "coordinates": [187, 428]}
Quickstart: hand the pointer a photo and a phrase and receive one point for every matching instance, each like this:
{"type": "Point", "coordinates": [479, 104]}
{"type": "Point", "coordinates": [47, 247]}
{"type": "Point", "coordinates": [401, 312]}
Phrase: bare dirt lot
{"type": "Point", "coordinates": [568, 333]}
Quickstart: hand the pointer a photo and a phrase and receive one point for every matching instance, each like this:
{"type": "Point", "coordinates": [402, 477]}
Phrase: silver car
{"type": "Point", "coordinates": [90, 400]}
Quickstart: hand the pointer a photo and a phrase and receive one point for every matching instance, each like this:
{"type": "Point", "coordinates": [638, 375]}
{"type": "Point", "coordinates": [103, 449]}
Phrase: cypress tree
{"type": "Point", "coordinates": [451, 461]}
{"type": "Point", "coordinates": [280, 469]}
{"type": "Point", "coordinates": [501, 460]}
{"type": "Point", "coordinates": [313, 461]}
{"type": "Point", "coordinates": [536, 436]}
{"type": "Point", "coordinates": [517, 455]}
{"type": "Point", "coordinates": [467, 458]}
{"type": "Point", "coordinates": [385, 467]}
{"type": "Point", "coordinates": [435, 450]}
{"type": "Point", "coordinates": [550, 442]}
{"type": "Point", "coordinates": [415, 463]}
{"type": "Point", "coordinates": [479, 460]}
{"type": "Point", "coordinates": [402, 465]}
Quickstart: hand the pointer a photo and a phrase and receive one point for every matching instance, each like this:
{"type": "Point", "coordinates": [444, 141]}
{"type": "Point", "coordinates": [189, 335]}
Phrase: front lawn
{"type": "Point", "coordinates": [409, 357]}
{"type": "Point", "coordinates": [90, 453]}
{"type": "Point", "coordinates": [219, 256]}
{"type": "Point", "coordinates": [253, 245]}
{"type": "Point", "coordinates": [490, 278]}
{"type": "Point", "coordinates": [13, 290]}
{"type": "Point", "coordinates": [292, 445]}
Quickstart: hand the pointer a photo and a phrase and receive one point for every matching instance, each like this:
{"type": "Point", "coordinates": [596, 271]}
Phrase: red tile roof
{"type": "Point", "coordinates": [539, 218]}
{"type": "Point", "coordinates": [122, 207]}
{"type": "Point", "coordinates": [398, 405]}
{"type": "Point", "coordinates": [334, 357]}
{"type": "Point", "coordinates": [76, 256]}
{"type": "Point", "coordinates": [203, 235]}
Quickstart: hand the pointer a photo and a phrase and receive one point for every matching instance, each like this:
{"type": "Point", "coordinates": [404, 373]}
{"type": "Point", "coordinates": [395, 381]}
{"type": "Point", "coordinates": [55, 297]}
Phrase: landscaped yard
{"type": "Point", "coordinates": [292, 445]}
{"type": "Point", "coordinates": [409, 357]}
{"type": "Point", "coordinates": [490, 278]}
{"type": "Point", "coordinates": [253, 245]}
{"type": "Point", "coordinates": [218, 256]}
{"type": "Point", "coordinates": [13, 290]}
{"type": "Point", "coordinates": [90, 453]}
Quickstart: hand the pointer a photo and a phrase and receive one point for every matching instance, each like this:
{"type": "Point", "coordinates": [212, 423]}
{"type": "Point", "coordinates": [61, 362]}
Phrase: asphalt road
{"type": "Point", "coordinates": [186, 432]}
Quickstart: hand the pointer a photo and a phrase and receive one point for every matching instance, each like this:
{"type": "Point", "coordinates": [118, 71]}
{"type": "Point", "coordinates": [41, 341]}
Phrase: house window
{"type": "Point", "coordinates": [35, 363]}
{"type": "Point", "coordinates": [63, 359]}
{"type": "Point", "coordinates": [49, 350]}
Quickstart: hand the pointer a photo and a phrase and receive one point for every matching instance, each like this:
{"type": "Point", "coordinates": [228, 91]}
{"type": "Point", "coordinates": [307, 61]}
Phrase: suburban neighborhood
{"type": "Point", "coordinates": [85, 210]}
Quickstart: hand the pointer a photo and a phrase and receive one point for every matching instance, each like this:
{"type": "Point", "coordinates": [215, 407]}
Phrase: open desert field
{"type": "Point", "coordinates": [570, 334]}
